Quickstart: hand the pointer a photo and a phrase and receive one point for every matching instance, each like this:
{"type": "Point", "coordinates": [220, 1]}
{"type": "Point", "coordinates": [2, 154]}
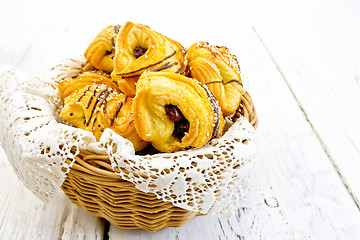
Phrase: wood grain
{"type": "Point", "coordinates": [293, 166]}
{"type": "Point", "coordinates": [300, 172]}
{"type": "Point", "coordinates": [305, 84]}
{"type": "Point", "coordinates": [327, 90]}
{"type": "Point", "coordinates": [23, 216]}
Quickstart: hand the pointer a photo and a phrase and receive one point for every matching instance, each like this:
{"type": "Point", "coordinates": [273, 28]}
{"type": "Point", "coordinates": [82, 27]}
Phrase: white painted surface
{"type": "Point", "coordinates": [23, 216]}
{"type": "Point", "coordinates": [299, 58]}
{"type": "Point", "coordinates": [326, 85]}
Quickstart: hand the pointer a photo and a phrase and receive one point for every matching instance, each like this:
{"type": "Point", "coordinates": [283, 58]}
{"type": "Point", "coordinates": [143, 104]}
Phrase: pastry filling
{"type": "Point", "coordinates": [139, 51]}
{"type": "Point", "coordinates": [181, 123]}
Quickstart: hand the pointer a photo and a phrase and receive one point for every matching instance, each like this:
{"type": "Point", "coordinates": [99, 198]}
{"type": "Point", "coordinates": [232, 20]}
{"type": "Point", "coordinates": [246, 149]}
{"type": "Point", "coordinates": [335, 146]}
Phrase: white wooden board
{"type": "Point", "coordinates": [312, 198]}
{"type": "Point", "coordinates": [23, 216]}
{"type": "Point", "coordinates": [306, 181]}
{"type": "Point", "coordinates": [327, 88]}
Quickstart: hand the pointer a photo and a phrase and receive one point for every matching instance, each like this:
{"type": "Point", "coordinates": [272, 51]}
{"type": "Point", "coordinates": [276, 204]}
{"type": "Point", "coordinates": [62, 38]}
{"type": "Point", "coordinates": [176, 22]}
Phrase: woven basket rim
{"type": "Point", "coordinates": [100, 165]}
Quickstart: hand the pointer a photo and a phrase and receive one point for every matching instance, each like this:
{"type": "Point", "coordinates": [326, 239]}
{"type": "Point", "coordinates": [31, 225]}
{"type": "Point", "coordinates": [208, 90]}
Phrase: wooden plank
{"type": "Point", "coordinates": [326, 85]}
{"type": "Point", "coordinates": [253, 220]}
{"type": "Point", "coordinates": [83, 34]}
{"type": "Point", "coordinates": [309, 190]}
{"type": "Point", "coordinates": [23, 216]}
{"type": "Point", "coordinates": [293, 166]}
{"type": "Point", "coordinates": [294, 171]}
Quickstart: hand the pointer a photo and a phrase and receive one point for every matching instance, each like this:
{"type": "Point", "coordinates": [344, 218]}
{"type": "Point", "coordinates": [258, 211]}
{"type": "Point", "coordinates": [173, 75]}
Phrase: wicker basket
{"type": "Point", "coordinates": [93, 185]}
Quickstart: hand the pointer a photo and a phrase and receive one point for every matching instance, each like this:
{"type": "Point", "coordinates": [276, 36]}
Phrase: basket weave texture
{"type": "Point", "coordinates": [93, 185]}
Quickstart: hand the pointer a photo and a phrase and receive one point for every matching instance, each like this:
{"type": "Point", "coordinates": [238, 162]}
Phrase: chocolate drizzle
{"type": "Point", "coordinates": [91, 97]}
{"type": "Point", "coordinates": [104, 101]}
{"type": "Point", "coordinates": [146, 67]}
{"type": "Point", "coordinates": [117, 28]}
{"type": "Point", "coordinates": [179, 71]}
{"type": "Point", "coordinates": [112, 44]}
{"type": "Point", "coordinates": [84, 93]}
{"type": "Point", "coordinates": [105, 105]}
{"type": "Point", "coordinates": [215, 108]}
{"type": "Point", "coordinates": [213, 82]}
{"type": "Point", "coordinates": [101, 100]}
{"type": "Point", "coordinates": [165, 66]}
{"type": "Point", "coordinates": [108, 52]}
{"type": "Point", "coordinates": [96, 102]}
{"type": "Point", "coordinates": [99, 72]}
{"type": "Point", "coordinates": [102, 94]}
{"type": "Point", "coordinates": [233, 80]}
{"type": "Point", "coordinates": [94, 121]}
{"type": "Point", "coordinates": [130, 76]}
{"type": "Point", "coordinates": [116, 113]}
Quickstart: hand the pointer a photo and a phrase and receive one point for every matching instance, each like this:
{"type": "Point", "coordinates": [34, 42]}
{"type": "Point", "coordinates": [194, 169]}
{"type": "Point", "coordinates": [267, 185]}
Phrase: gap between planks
{"type": "Point", "coordinates": [106, 229]}
{"type": "Point", "coordinates": [323, 145]}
